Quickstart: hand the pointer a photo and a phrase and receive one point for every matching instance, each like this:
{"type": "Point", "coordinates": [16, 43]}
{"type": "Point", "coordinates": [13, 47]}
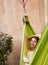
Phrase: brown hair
{"type": "Point", "coordinates": [29, 39]}
{"type": "Point", "coordinates": [36, 37]}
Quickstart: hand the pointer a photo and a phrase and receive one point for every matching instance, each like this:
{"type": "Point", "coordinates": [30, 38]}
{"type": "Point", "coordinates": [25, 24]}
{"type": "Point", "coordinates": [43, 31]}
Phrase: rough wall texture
{"type": "Point", "coordinates": [46, 10]}
{"type": "Point", "coordinates": [11, 13]}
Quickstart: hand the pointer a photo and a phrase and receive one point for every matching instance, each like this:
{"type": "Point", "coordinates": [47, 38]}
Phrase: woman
{"type": "Point", "coordinates": [31, 47]}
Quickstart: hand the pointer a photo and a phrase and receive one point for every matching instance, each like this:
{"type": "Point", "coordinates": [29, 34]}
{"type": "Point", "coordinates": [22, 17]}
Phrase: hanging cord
{"type": "Point", "coordinates": [23, 3]}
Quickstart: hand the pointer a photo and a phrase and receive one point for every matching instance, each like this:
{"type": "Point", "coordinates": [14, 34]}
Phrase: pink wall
{"type": "Point", "coordinates": [11, 13]}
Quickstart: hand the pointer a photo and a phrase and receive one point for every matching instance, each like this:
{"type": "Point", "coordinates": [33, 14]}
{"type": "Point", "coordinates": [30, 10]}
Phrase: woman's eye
{"type": "Point", "coordinates": [35, 41]}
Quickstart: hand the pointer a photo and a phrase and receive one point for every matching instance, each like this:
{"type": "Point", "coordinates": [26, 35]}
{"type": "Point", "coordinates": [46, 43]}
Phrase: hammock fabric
{"type": "Point", "coordinates": [40, 56]}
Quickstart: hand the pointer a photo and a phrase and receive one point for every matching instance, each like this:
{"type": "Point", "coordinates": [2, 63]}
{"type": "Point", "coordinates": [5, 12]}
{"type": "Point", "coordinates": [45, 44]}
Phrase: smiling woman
{"type": "Point", "coordinates": [33, 42]}
{"type": "Point", "coordinates": [30, 48]}
{"type": "Point", "coordinates": [11, 22]}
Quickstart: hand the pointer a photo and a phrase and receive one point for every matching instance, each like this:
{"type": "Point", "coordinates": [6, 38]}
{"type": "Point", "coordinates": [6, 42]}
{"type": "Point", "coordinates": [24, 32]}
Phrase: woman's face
{"type": "Point", "coordinates": [33, 43]}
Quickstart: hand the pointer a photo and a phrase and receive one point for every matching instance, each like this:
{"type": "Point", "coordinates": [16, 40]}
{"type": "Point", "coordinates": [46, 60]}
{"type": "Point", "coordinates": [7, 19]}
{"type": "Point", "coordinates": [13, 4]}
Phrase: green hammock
{"type": "Point", "coordinates": [40, 56]}
{"type": "Point", "coordinates": [41, 47]}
